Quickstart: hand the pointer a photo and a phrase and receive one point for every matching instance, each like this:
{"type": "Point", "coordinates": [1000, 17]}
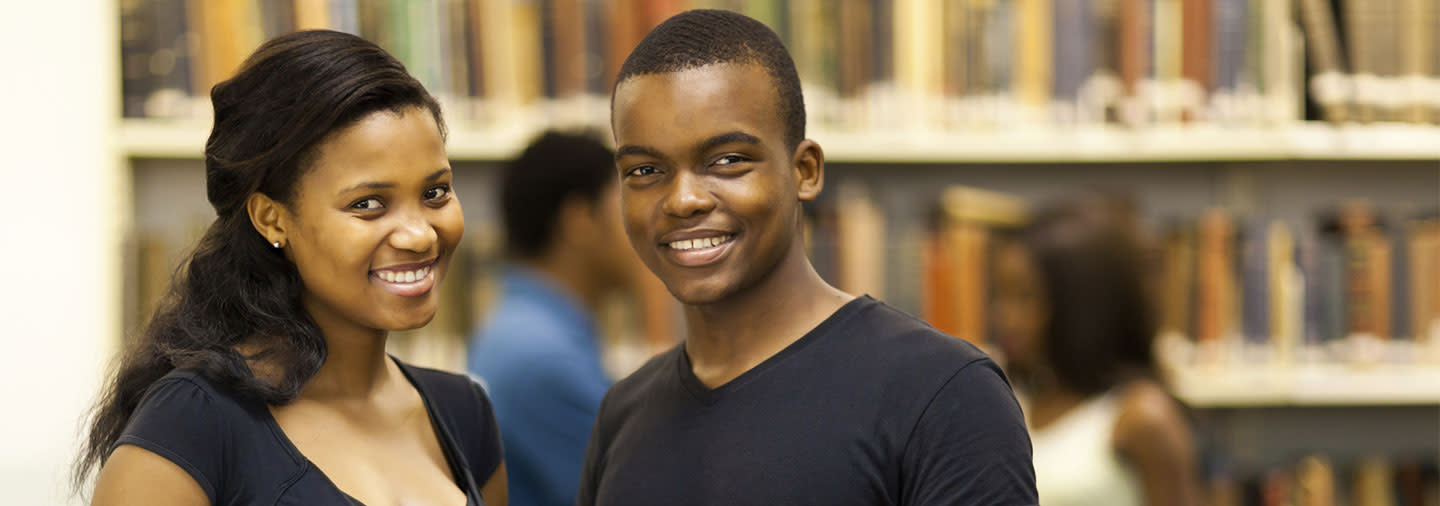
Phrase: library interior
{"type": "Point", "coordinates": [1276, 162]}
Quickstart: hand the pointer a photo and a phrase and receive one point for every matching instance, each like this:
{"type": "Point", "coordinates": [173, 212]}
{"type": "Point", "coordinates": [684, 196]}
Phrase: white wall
{"type": "Point", "coordinates": [61, 201]}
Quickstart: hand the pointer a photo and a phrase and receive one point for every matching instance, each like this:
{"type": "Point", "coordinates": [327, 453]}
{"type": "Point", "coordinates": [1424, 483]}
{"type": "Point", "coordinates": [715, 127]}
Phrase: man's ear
{"type": "Point", "coordinates": [268, 218]}
{"type": "Point", "coordinates": [809, 163]}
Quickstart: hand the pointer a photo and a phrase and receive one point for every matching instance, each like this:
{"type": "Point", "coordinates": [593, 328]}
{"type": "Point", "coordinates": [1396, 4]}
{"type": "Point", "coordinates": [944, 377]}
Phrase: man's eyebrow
{"type": "Point", "coordinates": [735, 137]}
{"type": "Point", "coordinates": [632, 149]}
{"type": "Point", "coordinates": [385, 186]}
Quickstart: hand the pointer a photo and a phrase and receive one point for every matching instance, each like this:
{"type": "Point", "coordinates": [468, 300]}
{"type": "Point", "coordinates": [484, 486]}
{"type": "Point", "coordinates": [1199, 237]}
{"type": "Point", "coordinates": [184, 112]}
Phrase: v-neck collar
{"type": "Point", "coordinates": [459, 469]}
{"type": "Point", "coordinates": [709, 396]}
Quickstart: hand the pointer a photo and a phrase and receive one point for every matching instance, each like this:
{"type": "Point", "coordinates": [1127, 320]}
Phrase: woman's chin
{"type": "Point", "coordinates": [404, 322]}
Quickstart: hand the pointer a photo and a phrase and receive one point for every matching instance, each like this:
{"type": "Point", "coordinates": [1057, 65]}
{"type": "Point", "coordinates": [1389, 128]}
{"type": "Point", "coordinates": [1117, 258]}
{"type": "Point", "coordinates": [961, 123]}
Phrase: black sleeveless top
{"type": "Point", "coordinates": [233, 447]}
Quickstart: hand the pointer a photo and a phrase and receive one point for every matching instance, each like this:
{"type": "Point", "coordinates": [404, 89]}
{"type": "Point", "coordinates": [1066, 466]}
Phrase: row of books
{"type": "Point", "coordinates": [866, 64]}
{"type": "Point", "coordinates": [1318, 480]}
{"type": "Point", "coordinates": [1373, 60]}
{"type": "Point", "coordinates": [1340, 288]}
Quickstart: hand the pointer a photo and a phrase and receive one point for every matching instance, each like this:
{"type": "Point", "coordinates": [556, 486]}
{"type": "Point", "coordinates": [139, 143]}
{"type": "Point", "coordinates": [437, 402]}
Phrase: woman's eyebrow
{"type": "Point", "coordinates": [376, 185]}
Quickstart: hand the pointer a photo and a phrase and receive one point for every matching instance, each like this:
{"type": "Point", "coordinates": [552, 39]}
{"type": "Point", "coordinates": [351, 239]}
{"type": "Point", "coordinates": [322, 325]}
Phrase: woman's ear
{"type": "Point", "coordinates": [267, 216]}
{"type": "Point", "coordinates": [809, 163]}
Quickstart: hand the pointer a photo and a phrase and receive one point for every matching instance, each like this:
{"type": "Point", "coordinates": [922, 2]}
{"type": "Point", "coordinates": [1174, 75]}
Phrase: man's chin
{"type": "Point", "coordinates": [700, 293]}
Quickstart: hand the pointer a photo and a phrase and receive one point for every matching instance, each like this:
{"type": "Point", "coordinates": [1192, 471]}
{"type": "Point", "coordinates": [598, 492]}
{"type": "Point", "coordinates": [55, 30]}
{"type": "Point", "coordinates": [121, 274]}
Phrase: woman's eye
{"type": "Point", "coordinates": [438, 192]}
{"type": "Point", "coordinates": [367, 204]}
{"type": "Point", "coordinates": [643, 170]}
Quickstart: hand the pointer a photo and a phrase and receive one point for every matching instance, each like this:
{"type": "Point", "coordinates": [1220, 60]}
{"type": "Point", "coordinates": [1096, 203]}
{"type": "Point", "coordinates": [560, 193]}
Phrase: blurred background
{"type": "Point", "coordinates": [1282, 158]}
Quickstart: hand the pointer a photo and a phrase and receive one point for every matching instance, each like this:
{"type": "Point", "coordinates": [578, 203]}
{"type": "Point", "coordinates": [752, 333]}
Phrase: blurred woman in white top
{"type": "Point", "coordinates": [1073, 317]}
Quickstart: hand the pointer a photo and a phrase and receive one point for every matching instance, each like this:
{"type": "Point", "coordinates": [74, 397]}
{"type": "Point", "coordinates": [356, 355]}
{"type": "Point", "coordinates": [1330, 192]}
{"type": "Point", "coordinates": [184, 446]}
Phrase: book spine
{"type": "Point", "coordinates": [1034, 67]}
{"type": "Point", "coordinates": [1196, 76]}
{"type": "Point", "coordinates": [312, 14]}
{"type": "Point", "coordinates": [1416, 48]}
{"type": "Point", "coordinates": [1257, 287]}
{"type": "Point", "coordinates": [1134, 59]}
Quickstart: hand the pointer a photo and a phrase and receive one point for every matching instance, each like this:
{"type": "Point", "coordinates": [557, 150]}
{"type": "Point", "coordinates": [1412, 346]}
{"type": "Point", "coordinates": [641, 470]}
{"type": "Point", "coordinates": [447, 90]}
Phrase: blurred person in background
{"type": "Point", "coordinates": [1074, 319]}
{"type": "Point", "coordinates": [539, 354]}
{"type": "Point", "coordinates": [263, 377]}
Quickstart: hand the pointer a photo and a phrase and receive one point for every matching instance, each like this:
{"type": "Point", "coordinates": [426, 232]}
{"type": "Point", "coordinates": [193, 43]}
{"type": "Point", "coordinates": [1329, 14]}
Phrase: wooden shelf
{"type": "Point", "coordinates": [154, 138]}
{"type": "Point", "coordinates": [1307, 385]}
{"type": "Point", "coordinates": [186, 139]}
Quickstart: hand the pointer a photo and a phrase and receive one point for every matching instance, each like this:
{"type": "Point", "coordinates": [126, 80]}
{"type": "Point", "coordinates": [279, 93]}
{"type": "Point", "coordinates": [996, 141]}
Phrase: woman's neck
{"type": "Point", "coordinates": [356, 365]}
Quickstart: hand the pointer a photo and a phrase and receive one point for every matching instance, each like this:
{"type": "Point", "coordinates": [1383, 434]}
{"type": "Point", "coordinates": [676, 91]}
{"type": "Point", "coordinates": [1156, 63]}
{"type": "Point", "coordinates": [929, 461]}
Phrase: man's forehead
{"type": "Point", "coordinates": [702, 95]}
{"type": "Point", "coordinates": [694, 82]}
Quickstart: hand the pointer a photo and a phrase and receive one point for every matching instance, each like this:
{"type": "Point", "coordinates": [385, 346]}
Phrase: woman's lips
{"type": "Point", "coordinates": [406, 283]}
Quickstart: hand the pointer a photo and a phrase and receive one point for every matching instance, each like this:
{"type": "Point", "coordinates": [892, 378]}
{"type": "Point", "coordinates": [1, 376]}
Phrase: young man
{"type": "Point", "coordinates": [787, 390]}
{"type": "Point", "coordinates": [538, 352]}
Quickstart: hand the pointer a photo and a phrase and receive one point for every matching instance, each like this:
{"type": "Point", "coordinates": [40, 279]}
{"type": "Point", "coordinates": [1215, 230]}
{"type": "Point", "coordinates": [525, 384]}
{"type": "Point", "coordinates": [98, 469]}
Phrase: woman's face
{"type": "Point", "coordinates": [374, 223]}
{"type": "Point", "coordinates": [1019, 306]}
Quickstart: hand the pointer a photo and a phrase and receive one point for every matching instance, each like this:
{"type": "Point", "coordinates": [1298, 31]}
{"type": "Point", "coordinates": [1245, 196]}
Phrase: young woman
{"type": "Point", "coordinates": [1075, 322]}
{"type": "Point", "coordinates": [263, 378]}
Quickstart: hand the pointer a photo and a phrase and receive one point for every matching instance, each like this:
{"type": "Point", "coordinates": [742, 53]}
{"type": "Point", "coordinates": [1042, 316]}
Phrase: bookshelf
{"type": "Point", "coordinates": [162, 138]}
{"type": "Point", "coordinates": [1311, 385]}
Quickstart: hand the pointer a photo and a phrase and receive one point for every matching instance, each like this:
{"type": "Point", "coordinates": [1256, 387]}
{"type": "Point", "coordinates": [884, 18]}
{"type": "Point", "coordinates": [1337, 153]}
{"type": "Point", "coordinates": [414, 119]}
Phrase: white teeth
{"type": "Point", "coordinates": [403, 277]}
{"type": "Point", "coordinates": [703, 242]}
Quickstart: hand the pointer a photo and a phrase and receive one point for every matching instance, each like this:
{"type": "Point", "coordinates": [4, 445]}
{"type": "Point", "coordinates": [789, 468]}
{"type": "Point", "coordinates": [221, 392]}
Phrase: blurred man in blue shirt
{"type": "Point", "coordinates": [538, 354]}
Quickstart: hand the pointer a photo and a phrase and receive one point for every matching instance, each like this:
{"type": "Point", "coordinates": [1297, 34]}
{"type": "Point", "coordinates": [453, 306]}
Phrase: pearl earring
{"type": "Point", "coordinates": [276, 244]}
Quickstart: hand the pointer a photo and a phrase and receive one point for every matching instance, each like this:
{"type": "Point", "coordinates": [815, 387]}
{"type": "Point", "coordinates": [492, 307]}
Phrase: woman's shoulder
{"type": "Point", "coordinates": [460, 402]}
{"type": "Point", "coordinates": [187, 398]}
{"type": "Point", "coordinates": [207, 430]}
{"type": "Point", "coordinates": [1147, 412]}
{"type": "Point", "coordinates": [452, 390]}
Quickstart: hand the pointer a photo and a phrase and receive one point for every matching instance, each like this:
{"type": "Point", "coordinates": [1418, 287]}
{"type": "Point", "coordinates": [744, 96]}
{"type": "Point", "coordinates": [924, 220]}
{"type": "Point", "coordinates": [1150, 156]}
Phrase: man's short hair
{"type": "Point", "coordinates": [554, 167]}
{"type": "Point", "coordinates": [704, 37]}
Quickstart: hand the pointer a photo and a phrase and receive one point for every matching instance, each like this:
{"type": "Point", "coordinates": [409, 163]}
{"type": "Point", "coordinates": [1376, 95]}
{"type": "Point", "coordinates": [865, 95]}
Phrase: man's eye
{"type": "Point", "coordinates": [643, 170]}
{"type": "Point", "coordinates": [367, 204]}
{"type": "Point", "coordinates": [730, 159]}
{"type": "Point", "coordinates": [438, 192]}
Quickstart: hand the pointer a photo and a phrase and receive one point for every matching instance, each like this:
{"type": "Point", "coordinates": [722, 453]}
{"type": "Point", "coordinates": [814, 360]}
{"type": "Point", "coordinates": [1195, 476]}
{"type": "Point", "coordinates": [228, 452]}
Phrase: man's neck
{"type": "Point", "coordinates": [732, 336]}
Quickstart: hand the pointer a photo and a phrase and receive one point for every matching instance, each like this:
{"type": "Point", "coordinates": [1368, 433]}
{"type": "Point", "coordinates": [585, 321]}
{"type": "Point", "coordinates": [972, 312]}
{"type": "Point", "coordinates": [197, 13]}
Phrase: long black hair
{"type": "Point", "coordinates": [1091, 259]}
{"type": "Point", "coordinates": [235, 290]}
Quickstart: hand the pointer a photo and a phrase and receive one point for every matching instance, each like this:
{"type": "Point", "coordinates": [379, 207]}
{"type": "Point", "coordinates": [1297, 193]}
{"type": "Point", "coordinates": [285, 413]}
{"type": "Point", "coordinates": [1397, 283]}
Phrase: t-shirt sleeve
{"type": "Point", "coordinates": [970, 446]}
{"type": "Point", "coordinates": [488, 452]}
{"type": "Point", "coordinates": [179, 420]}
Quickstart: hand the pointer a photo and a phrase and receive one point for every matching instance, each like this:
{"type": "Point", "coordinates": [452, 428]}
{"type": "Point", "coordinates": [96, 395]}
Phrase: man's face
{"type": "Point", "coordinates": [709, 191]}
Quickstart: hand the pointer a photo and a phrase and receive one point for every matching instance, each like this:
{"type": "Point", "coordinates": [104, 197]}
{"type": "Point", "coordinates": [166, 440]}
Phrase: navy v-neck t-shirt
{"type": "Point", "coordinates": [872, 407]}
{"type": "Point", "coordinates": [233, 447]}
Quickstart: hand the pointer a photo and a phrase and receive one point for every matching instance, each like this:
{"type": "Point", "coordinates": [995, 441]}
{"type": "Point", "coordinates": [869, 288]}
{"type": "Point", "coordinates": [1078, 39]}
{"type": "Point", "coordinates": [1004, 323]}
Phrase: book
{"type": "Point", "coordinates": [959, 259]}
{"type": "Point", "coordinates": [1329, 82]}
{"type": "Point", "coordinates": [860, 237]}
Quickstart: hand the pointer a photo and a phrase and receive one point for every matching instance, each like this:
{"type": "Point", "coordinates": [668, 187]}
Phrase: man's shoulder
{"type": "Point", "coordinates": [658, 369]}
{"type": "Point", "coordinates": [630, 391]}
{"type": "Point", "coordinates": [895, 338]}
